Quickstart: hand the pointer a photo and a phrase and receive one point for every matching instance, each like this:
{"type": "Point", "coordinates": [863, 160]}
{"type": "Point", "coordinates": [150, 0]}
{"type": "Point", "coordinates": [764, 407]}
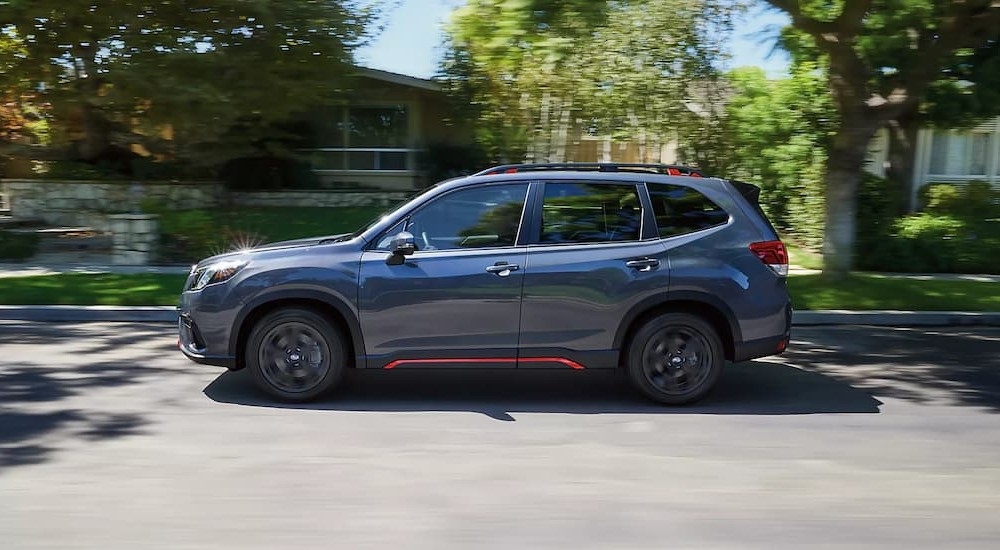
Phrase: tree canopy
{"type": "Point", "coordinates": [121, 72]}
{"type": "Point", "coordinates": [530, 72]}
{"type": "Point", "coordinates": [887, 59]}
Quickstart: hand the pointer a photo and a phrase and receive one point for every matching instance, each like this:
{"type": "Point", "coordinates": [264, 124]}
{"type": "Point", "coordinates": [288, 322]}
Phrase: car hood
{"type": "Point", "coordinates": [266, 249]}
{"type": "Point", "coordinates": [300, 243]}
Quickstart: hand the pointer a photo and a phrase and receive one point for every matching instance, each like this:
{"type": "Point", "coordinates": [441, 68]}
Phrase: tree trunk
{"type": "Point", "coordinates": [561, 136]}
{"type": "Point", "coordinates": [844, 166]}
{"type": "Point", "coordinates": [902, 156]}
{"type": "Point", "coordinates": [96, 133]}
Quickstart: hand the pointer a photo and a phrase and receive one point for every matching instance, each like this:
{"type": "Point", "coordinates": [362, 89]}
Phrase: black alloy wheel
{"type": "Point", "coordinates": [675, 358]}
{"type": "Point", "coordinates": [295, 354]}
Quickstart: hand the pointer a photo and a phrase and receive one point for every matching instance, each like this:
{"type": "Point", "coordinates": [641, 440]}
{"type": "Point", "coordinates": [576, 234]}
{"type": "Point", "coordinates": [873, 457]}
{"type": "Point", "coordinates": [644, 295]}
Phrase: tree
{"type": "Point", "coordinates": [885, 58]}
{"type": "Point", "coordinates": [504, 66]}
{"type": "Point", "coordinates": [175, 76]}
{"type": "Point", "coordinates": [534, 72]}
{"type": "Point", "coordinates": [967, 92]}
{"type": "Point", "coordinates": [774, 132]}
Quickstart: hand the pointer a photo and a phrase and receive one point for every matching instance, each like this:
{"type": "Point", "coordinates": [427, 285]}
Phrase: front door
{"type": "Point", "coordinates": [456, 301]}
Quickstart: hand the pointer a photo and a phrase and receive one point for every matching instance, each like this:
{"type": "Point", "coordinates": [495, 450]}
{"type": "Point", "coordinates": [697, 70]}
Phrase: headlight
{"type": "Point", "coordinates": [215, 273]}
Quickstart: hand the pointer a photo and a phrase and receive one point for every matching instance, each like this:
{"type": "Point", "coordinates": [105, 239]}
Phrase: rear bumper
{"type": "Point", "coordinates": [764, 347]}
{"type": "Point", "coordinates": [760, 348]}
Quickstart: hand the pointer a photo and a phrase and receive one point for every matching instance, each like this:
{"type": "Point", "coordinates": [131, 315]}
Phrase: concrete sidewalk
{"type": "Point", "coordinates": [28, 269]}
{"type": "Point", "coordinates": [168, 314]}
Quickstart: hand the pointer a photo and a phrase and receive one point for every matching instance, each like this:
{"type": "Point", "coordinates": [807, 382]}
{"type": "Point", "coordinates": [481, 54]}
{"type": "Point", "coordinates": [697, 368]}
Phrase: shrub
{"type": "Point", "coordinates": [267, 172]}
{"type": "Point", "coordinates": [442, 161]}
{"type": "Point", "coordinates": [958, 232]}
{"type": "Point", "coordinates": [17, 246]}
{"type": "Point", "coordinates": [187, 235]}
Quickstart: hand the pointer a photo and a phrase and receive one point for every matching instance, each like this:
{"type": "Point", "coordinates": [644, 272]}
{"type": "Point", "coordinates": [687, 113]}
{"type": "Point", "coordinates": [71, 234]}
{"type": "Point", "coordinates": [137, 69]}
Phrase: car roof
{"type": "Point", "coordinates": [580, 172]}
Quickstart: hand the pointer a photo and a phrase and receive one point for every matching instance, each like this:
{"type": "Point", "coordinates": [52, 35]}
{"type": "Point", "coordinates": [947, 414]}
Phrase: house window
{"type": "Point", "coordinates": [363, 138]}
{"type": "Point", "coordinates": [959, 153]}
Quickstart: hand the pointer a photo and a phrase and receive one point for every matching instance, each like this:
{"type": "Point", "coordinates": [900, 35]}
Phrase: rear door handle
{"type": "Point", "coordinates": [643, 264]}
{"type": "Point", "coordinates": [502, 269]}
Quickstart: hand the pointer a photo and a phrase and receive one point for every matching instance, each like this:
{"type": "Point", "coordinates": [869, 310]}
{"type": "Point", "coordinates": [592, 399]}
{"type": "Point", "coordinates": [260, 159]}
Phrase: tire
{"type": "Point", "coordinates": [675, 358]}
{"type": "Point", "coordinates": [295, 355]}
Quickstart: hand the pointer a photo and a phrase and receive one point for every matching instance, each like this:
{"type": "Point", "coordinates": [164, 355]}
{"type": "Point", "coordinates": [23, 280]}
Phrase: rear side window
{"type": "Point", "coordinates": [590, 213]}
{"type": "Point", "coordinates": [679, 209]}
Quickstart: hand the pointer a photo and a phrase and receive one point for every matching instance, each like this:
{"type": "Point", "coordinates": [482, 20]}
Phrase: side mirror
{"type": "Point", "coordinates": [403, 244]}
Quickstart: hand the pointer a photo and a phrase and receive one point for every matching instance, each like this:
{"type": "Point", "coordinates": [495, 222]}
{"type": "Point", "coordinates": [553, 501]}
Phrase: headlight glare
{"type": "Point", "coordinates": [216, 273]}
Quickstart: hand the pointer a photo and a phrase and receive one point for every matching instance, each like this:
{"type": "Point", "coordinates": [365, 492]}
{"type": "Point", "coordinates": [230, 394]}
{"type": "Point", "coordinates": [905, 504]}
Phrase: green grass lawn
{"type": "Point", "coordinates": [81, 289]}
{"type": "Point", "coordinates": [190, 235]}
{"type": "Point", "coordinates": [871, 291]}
{"type": "Point", "coordinates": [282, 224]}
{"type": "Point", "coordinates": [809, 292]}
{"type": "Point", "coordinates": [802, 257]}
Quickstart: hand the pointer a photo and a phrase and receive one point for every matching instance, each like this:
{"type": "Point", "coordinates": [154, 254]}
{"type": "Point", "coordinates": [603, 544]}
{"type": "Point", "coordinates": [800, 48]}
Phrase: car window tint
{"type": "Point", "coordinates": [590, 213]}
{"type": "Point", "coordinates": [679, 209]}
{"type": "Point", "coordinates": [479, 217]}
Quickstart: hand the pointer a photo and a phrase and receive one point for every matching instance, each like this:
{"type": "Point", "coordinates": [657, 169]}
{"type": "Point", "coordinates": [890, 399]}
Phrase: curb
{"type": "Point", "coordinates": [90, 314]}
{"type": "Point", "coordinates": [168, 314]}
{"type": "Point", "coordinates": [894, 318]}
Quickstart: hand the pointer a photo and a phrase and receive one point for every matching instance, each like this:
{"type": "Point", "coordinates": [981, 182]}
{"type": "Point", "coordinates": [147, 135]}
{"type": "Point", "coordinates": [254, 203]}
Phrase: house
{"type": "Point", "coordinates": [376, 138]}
{"type": "Point", "coordinates": [957, 156]}
{"type": "Point", "coordinates": [946, 156]}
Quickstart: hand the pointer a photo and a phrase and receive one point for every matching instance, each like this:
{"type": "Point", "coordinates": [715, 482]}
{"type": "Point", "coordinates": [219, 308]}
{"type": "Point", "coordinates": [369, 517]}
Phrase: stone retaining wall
{"type": "Point", "coordinates": [323, 199]}
{"type": "Point", "coordinates": [134, 238]}
{"type": "Point", "coordinates": [90, 203]}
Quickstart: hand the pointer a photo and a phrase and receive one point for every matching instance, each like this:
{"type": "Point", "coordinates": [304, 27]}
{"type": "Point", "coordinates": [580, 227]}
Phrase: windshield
{"type": "Point", "coordinates": [388, 211]}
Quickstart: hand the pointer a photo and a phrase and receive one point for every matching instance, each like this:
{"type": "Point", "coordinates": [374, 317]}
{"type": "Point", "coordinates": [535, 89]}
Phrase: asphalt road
{"type": "Point", "coordinates": [857, 437]}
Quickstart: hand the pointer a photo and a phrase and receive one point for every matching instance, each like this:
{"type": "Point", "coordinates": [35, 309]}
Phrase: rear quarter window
{"type": "Point", "coordinates": [679, 209]}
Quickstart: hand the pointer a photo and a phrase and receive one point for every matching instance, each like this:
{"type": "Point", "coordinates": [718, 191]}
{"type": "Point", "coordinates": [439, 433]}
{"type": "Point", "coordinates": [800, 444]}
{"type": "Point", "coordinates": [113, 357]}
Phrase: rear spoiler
{"type": "Point", "coordinates": [751, 193]}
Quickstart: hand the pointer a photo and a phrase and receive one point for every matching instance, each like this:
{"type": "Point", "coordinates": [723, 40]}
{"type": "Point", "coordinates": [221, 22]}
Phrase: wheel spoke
{"type": "Point", "coordinates": [675, 361]}
{"type": "Point", "coordinates": [293, 357]}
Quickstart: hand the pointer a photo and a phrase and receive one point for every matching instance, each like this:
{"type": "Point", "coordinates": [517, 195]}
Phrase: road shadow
{"type": "Point", "coordinates": [926, 365]}
{"type": "Point", "coordinates": [47, 401]}
{"type": "Point", "coordinates": [34, 421]}
{"type": "Point", "coordinates": [753, 388]}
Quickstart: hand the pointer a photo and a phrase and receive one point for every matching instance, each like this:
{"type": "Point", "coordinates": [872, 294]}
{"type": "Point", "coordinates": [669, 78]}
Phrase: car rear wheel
{"type": "Point", "coordinates": [675, 358]}
{"type": "Point", "coordinates": [295, 354]}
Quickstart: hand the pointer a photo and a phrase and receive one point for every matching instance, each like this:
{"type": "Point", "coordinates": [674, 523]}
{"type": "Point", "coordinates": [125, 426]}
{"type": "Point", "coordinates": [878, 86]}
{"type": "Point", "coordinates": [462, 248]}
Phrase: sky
{"type": "Point", "coordinates": [410, 42]}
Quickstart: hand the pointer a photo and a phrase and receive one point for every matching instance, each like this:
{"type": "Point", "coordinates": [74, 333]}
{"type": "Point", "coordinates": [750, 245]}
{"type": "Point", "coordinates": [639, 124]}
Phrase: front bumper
{"type": "Point", "coordinates": [192, 344]}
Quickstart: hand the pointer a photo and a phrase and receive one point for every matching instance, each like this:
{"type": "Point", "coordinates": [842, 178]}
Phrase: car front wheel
{"type": "Point", "coordinates": [675, 358]}
{"type": "Point", "coordinates": [295, 354]}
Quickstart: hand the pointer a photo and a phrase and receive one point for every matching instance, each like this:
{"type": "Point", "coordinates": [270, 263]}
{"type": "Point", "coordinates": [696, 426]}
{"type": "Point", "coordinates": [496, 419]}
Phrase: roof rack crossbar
{"type": "Point", "coordinates": [668, 169]}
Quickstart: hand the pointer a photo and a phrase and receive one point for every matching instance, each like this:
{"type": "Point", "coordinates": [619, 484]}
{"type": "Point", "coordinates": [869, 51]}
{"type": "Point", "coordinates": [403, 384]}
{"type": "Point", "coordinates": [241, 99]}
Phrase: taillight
{"type": "Point", "coordinates": [773, 254]}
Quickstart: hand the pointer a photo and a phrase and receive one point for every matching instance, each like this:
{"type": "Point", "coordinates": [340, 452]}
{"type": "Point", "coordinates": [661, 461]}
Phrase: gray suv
{"type": "Point", "coordinates": [653, 269]}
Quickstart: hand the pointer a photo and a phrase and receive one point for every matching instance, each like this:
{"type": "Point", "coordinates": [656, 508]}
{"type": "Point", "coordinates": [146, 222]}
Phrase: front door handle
{"type": "Point", "coordinates": [502, 269]}
{"type": "Point", "coordinates": [643, 264]}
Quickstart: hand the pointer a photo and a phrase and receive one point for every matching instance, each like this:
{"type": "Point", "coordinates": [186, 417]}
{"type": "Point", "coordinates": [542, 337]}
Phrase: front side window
{"type": "Point", "coordinates": [590, 213]}
{"type": "Point", "coordinates": [481, 217]}
{"type": "Point", "coordinates": [679, 209]}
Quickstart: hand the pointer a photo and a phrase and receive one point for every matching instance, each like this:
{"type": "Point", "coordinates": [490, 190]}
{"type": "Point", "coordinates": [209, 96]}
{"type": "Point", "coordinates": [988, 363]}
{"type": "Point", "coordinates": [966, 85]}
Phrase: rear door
{"type": "Point", "coordinates": [594, 256]}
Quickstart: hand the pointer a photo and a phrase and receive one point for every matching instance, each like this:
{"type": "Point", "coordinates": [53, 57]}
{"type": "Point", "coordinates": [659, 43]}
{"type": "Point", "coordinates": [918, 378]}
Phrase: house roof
{"type": "Point", "coordinates": [401, 79]}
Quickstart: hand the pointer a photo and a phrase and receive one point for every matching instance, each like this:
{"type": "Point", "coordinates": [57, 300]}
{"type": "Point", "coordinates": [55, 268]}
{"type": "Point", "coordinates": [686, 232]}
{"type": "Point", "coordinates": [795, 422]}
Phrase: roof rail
{"type": "Point", "coordinates": [667, 169]}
